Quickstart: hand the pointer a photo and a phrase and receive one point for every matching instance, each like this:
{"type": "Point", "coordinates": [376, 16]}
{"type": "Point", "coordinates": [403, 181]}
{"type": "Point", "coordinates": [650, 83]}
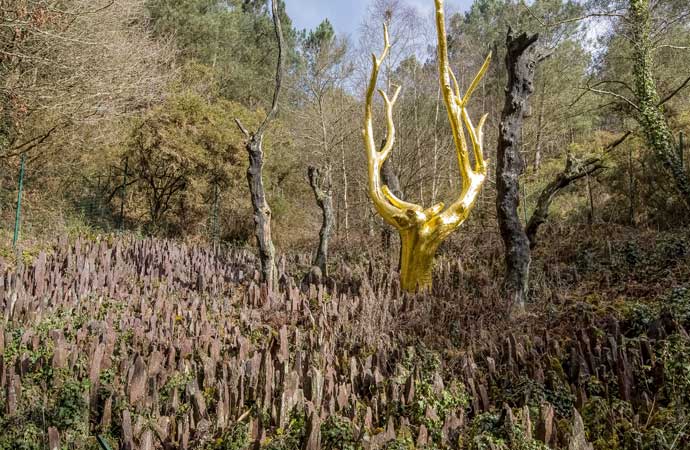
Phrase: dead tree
{"type": "Point", "coordinates": [423, 229]}
{"type": "Point", "coordinates": [521, 61]}
{"type": "Point", "coordinates": [574, 170]}
{"type": "Point", "coordinates": [254, 147]}
{"type": "Point", "coordinates": [321, 185]}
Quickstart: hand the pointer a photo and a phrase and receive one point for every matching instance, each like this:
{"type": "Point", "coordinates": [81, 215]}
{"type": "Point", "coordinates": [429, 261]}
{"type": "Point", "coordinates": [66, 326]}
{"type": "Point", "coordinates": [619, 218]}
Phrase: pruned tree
{"type": "Point", "coordinates": [254, 148]}
{"type": "Point", "coordinates": [521, 61]}
{"type": "Point", "coordinates": [422, 230]}
{"type": "Point", "coordinates": [321, 185]}
{"type": "Point", "coordinates": [574, 170]}
{"type": "Point", "coordinates": [321, 122]}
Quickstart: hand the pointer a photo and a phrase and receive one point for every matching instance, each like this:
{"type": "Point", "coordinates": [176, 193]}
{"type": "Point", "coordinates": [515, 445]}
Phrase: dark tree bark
{"type": "Point", "coordinates": [262, 211]}
{"type": "Point", "coordinates": [540, 128]}
{"type": "Point", "coordinates": [521, 62]}
{"type": "Point", "coordinates": [390, 179]}
{"type": "Point", "coordinates": [321, 185]}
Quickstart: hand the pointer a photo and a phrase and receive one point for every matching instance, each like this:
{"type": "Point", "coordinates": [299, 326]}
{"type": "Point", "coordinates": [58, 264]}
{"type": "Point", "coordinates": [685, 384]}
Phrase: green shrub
{"type": "Point", "coordinates": [337, 434]}
{"type": "Point", "coordinates": [289, 438]}
{"type": "Point", "coordinates": [234, 438]}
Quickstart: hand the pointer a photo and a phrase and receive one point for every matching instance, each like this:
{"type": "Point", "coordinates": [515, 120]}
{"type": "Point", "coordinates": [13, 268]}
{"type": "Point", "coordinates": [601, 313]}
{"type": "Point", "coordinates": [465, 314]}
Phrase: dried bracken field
{"type": "Point", "coordinates": [152, 344]}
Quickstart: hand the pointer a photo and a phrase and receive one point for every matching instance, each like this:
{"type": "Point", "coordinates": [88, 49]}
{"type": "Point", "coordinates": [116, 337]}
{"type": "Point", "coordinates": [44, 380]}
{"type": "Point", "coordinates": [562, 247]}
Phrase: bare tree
{"type": "Point", "coordinates": [322, 119]}
{"type": "Point", "coordinates": [87, 62]}
{"type": "Point", "coordinates": [254, 147]}
{"type": "Point", "coordinates": [321, 185]}
{"type": "Point", "coordinates": [574, 170]}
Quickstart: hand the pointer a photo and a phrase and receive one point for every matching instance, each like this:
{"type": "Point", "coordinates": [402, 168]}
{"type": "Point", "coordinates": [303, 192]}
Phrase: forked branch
{"type": "Point", "coordinates": [380, 194]}
{"type": "Point", "coordinates": [422, 230]}
{"type": "Point", "coordinates": [395, 211]}
{"type": "Point", "coordinates": [456, 105]}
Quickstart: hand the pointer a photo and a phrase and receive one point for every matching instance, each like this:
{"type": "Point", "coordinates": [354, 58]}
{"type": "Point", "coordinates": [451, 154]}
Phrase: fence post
{"type": "Point", "coordinates": [124, 194]}
{"type": "Point", "coordinates": [214, 225]}
{"type": "Point", "coordinates": [18, 213]}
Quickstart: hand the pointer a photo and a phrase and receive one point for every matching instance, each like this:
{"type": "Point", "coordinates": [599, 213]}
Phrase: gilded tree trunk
{"type": "Point", "coordinates": [520, 62]}
{"type": "Point", "coordinates": [416, 260]}
{"type": "Point", "coordinates": [321, 185]}
{"type": "Point", "coordinates": [651, 117]}
{"type": "Point", "coordinates": [423, 229]}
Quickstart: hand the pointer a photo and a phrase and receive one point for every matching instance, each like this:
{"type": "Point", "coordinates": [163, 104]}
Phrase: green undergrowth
{"type": "Point", "coordinates": [61, 405]}
{"type": "Point", "coordinates": [56, 397]}
{"type": "Point", "coordinates": [663, 257]}
{"type": "Point", "coordinates": [490, 431]}
{"type": "Point", "coordinates": [658, 417]}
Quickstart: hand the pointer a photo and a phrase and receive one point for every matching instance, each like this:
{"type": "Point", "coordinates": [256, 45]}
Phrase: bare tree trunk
{"type": "Point", "coordinates": [321, 185]}
{"type": "Point", "coordinates": [681, 149]}
{"type": "Point", "coordinates": [540, 126]}
{"type": "Point", "coordinates": [520, 62]}
{"type": "Point", "coordinates": [346, 206]}
{"type": "Point", "coordinates": [590, 194]}
{"type": "Point", "coordinates": [541, 211]}
{"type": "Point", "coordinates": [418, 144]}
{"type": "Point", "coordinates": [631, 188]}
{"type": "Point", "coordinates": [262, 212]}
{"type": "Point", "coordinates": [434, 181]}
{"type": "Point", "coordinates": [390, 179]}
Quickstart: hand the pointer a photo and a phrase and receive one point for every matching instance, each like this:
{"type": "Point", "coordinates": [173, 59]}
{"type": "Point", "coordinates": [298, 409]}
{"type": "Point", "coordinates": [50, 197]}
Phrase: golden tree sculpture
{"type": "Point", "coordinates": [422, 230]}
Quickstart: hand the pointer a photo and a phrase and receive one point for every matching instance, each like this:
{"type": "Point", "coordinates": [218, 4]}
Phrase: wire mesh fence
{"type": "Point", "coordinates": [35, 203]}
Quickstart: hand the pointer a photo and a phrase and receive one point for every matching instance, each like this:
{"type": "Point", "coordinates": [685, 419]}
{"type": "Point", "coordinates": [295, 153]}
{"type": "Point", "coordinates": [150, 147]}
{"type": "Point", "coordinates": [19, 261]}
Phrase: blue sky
{"type": "Point", "coordinates": [346, 15]}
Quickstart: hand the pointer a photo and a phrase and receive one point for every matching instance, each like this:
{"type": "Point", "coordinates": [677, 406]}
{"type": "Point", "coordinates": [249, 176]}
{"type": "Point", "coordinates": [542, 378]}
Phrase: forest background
{"type": "Point", "coordinates": [125, 113]}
